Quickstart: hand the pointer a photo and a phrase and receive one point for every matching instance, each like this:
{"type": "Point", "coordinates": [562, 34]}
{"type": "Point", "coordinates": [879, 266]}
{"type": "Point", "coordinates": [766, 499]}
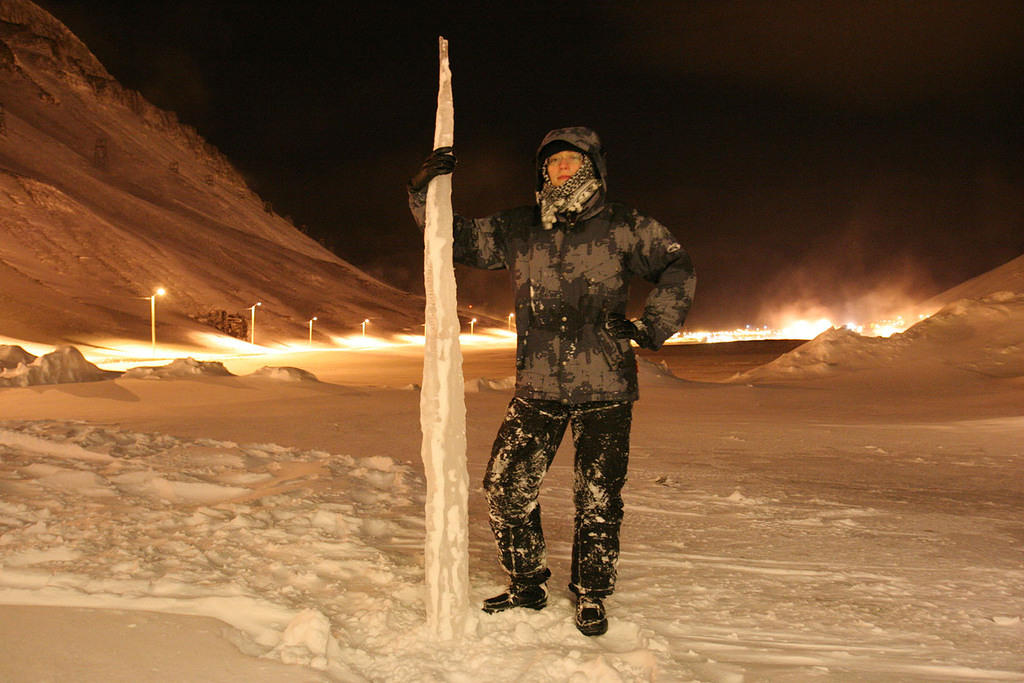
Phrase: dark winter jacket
{"type": "Point", "coordinates": [569, 278]}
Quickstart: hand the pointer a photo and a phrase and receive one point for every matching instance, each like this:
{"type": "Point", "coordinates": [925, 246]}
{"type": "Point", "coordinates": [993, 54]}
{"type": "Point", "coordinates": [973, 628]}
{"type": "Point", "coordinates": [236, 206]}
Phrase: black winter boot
{"type": "Point", "coordinates": [518, 595]}
{"type": "Point", "coordinates": [590, 616]}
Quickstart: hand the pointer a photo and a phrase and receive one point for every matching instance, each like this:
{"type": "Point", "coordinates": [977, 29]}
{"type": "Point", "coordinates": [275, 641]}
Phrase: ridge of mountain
{"type": "Point", "coordinates": [104, 197]}
{"type": "Point", "coordinates": [1008, 277]}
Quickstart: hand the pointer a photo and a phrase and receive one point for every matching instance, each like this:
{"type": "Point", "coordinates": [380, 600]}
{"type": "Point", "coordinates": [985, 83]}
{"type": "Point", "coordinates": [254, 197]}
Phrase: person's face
{"type": "Point", "coordinates": [563, 165]}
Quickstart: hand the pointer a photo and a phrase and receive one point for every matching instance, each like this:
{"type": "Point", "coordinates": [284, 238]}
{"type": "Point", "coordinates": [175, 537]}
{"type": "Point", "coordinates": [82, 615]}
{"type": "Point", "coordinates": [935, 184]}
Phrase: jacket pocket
{"type": "Point", "coordinates": [609, 346]}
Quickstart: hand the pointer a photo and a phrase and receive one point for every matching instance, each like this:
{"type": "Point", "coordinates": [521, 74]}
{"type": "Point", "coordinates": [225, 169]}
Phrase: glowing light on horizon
{"type": "Point", "coordinates": [361, 341]}
{"type": "Point", "coordinates": [796, 329]}
{"type": "Point", "coordinates": [122, 354]}
{"type": "Point", "coordinates": [806, 329]}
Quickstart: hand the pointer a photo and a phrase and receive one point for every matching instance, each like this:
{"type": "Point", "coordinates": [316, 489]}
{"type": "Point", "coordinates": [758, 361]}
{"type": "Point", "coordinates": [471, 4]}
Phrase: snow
{"type": "Point", "coordinates": [285, 374]}
{"type": "Point", "coordinates": [831, 527]}
{"type": "Point", "coordinates": [479, 384]}
{"type": "Point", "coordinates": [68, 365]}
{"type": "Point", "coordinates": [13, 356]}
{"type": "Point", "coordinates": [65, 364]}
{"type": "Point", "coordinates": [442, 398]}
{"type": "Point", "coordinates": [179, 367]}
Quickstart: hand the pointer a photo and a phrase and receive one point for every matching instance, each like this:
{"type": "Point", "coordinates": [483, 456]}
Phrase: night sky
{"type": "Point", "coordinates": [841, 154]}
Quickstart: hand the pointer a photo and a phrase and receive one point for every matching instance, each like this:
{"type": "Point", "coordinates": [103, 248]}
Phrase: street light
{"type": "Point", "coordinates": [252, 327]}
{"type": "Point", "coordinates": [472, 323]}
{"type": "Point", "coordinates": [152, 315]}
{"type": "Point", "coordinates": [510, 317]}
{"type": "Point", "coordinates": [364, 326]}
{"type": "Point", "coordinates": [311, 330]}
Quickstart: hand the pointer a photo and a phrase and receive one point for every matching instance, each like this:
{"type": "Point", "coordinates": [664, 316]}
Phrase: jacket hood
{"type": "Point", "coordinates": [583, 139]}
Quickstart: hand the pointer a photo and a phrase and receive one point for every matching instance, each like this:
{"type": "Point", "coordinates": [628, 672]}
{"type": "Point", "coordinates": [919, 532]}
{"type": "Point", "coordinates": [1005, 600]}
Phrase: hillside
{"type": "Point", "coordinates": [1008, 277]}
{"type": "Point", "coordinates": [104, 198]}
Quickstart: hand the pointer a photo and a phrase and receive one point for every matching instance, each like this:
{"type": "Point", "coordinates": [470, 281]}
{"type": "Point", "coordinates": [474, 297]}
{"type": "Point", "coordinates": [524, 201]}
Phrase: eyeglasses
{"type": "Point", "coordinates": [564, 157]}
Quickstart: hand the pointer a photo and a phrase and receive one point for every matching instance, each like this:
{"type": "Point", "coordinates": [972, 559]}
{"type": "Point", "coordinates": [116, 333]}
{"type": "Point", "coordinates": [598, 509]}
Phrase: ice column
{"type": "Point", "coordinates": [442, 401]}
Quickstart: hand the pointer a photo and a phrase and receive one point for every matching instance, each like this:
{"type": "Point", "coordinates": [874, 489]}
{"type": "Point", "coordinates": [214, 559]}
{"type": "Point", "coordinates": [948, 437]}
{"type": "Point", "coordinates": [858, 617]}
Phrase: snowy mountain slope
{"type": "Point", "coordinates": [104, 198]}
{"type": "Point", "coordinates": [1008, 277]}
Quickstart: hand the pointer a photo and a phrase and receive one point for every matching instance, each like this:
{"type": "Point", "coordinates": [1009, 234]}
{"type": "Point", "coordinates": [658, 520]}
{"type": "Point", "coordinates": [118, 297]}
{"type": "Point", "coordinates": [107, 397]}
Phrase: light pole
{"type": "Point", "coordinates": [472, 324]}
{"type": "Point", "coordinates": [510, 317]}
{"type": "Point", "coordinates": [311, 330]}
{"type": "Point", "coordinates": [152, 316]}
{"type": "Point", "coordinates": [252, 327]}
{"type": "Point", "coordinates": [364, 326]}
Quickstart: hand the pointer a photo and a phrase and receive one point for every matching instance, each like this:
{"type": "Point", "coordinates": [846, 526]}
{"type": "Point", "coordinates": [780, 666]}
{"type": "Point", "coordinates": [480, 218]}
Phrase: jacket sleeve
{"type": "Point", "coordinates": [658, 257]}
{"type": "Point", "coordinates": [478, 242]}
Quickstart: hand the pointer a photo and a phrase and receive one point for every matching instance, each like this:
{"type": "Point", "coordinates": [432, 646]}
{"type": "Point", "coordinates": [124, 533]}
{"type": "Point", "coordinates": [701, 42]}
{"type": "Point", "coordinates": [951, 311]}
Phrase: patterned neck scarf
{"type": "Point", "coordinates": [569, 198]}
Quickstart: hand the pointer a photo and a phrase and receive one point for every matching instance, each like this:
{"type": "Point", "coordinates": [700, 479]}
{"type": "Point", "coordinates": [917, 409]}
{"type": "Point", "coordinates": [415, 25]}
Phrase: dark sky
{"type": "Point", "coordinates": [840, 154]}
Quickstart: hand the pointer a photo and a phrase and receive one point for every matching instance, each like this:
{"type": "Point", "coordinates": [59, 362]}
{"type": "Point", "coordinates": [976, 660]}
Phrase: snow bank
{"type": "Point", "coordinates": [65, 365]}
{"type": "Point", "coordinates": [655, 372]}
{"type": "Point", "coordinates": [13, 356]}
{"type": "Point", "coordinates": [977, 336]}
{"type": "Point", "coordinates": [190, 367]}
{"type": "Point", "coordinates": [475, 386]}
{"type": "Point", "coordinates": [285, 374]}
{"type": "Point", "coordinates": [179, 368]}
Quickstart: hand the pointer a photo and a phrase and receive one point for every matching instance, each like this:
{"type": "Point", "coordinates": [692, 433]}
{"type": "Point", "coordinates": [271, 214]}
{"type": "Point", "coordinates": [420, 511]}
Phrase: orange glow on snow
{"type": "Point", "coordinates": [122, 354]}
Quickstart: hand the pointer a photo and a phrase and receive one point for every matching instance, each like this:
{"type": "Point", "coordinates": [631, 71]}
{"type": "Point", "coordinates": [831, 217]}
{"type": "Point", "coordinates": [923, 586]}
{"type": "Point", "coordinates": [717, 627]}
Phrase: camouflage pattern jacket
{"type": "Point", "coordinates": [569, 278]}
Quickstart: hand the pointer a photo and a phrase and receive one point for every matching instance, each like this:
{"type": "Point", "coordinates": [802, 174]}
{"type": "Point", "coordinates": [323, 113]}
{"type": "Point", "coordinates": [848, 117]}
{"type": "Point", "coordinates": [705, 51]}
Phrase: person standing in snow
{"type": "Point", "coordinates": [572, 256]}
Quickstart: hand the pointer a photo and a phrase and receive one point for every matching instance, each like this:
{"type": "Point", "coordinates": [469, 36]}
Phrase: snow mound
{"type": "Point", "coordinates": [285, 374]}
{"type": "Point", "coordinates": [837, 348]}
{"type": "Point", "coordinates": [178, 368]}
{"type": "Point", "coordinates": [654, 371]}
{"type": "Point", "coordinates": [64, 365]}
{"type": "Point", "coordinates": [979, 336]}
{"type": "Point", "coordinates": [475, 386]}
{"type": "Point", "coordinates": [13, 356]}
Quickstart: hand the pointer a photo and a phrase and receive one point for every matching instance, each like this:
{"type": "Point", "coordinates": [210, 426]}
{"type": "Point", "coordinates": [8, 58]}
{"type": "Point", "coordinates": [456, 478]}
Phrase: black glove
{"type": "Point", "coordinates": [620, 328]}
{"type": "Point", "coordinates": [440, 162]}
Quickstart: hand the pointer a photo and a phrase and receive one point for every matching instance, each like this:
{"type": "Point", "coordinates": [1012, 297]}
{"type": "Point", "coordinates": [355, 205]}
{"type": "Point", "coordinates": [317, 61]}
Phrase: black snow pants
{"type": "Point", "coordinates": [522, 454]}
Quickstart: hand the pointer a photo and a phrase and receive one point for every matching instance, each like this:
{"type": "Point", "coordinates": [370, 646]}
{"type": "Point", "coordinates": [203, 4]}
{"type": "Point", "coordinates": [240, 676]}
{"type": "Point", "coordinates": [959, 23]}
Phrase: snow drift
{"type": "Point", "coordinates": [13, 356]}
{"type": "Point", "coordinates": [19, 368]}
{"type": "Point", "coordinates": [285, 374]}
{"type": "Point", "coordinates": [65, 365]}
{"type": "Point", "coordinates": [971, 336]}
{"type": "Point", "coordinates": [178, 368]}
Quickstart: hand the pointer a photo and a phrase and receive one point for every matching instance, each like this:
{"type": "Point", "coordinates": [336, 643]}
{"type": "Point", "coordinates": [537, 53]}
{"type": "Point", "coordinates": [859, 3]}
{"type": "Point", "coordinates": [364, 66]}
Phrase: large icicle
{"type": "Point", "coordinates": [442, 401]}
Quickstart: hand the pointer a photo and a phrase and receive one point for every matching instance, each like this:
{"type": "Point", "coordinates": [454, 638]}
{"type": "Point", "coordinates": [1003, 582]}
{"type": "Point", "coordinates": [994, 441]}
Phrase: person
{"type": "Point", "coordinates": [572, 257]}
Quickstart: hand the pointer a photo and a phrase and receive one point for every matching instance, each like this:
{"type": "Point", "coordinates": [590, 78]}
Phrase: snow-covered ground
{"type": "Point", "coordinates": [865, 523]}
